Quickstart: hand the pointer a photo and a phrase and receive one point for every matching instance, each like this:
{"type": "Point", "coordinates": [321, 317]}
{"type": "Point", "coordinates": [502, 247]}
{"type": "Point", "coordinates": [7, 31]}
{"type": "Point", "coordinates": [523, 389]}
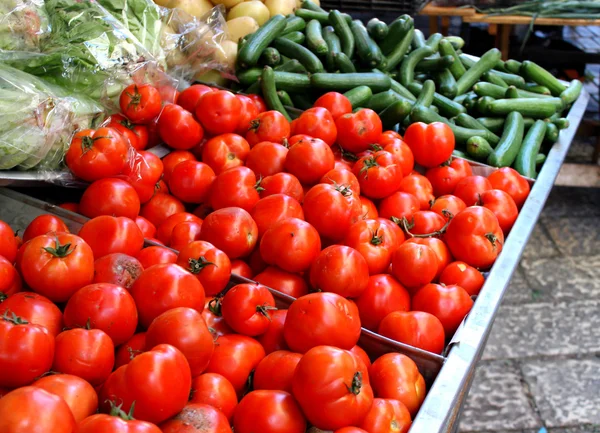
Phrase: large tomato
{"type": "Point", "coordinates": [241, 268]}
{"type": "Point", "coordinates": [397, 147]}
{"type": "Point", "coordinates": [185, 233]}
{"type": "Point", "coordinates": [511, 182]}
{"type": "Point", "coordinates": [210, 265]}
{"type": "Point", "coordinates": [148, 229]}
{"type": "Point", "coordinates": [117, 268]}
{"type": "Point", "coordinates": [439, 248]}
{"type": "Point", "coordinates": [219, 112]}
{"type": "Point", "coordinates": [191, 181]}
{"type": "Point", "coordinates": [232, 230]}
{"type": "Point", "coordinates": [194, 417]}
{"type": "Point", "coordinates": [216, 391]}
{"type": "Point", "coordinates": [190, 97]}
{"type": "Point", "coordinates": [470, 188]}
{"type": "Point", "coordinates": [309, 160]}
{"type": "Point", "coordinates": [42, 225]}
{"type": "Point", "coordinates": [172, 159]}
{"type": "Point", "coordinates": [375, 240]}
{"type": "Point", "coordinates": [35, 309]}
{"type": "Point", "coordinates": [160, 207]}
{"type": "Point", "coordinates": [8, 242]}
{"type": "Point", "coordinates": [56, 266]}
{"type": "Point", "coordinates": [415, 328]}
{"type": "Point", "coordinates": [420, 187]}
{"type": "Point", "coordinates": [107, 234]}
{"type": "Point", "coordinates": [178, 128]}
{"type": "Point", "coordinates": [369, 210]}
{"type": "Point", "coordinates": [445, 177]}
{"type": "Point", "coordinates": [156, 255]}
{"type": "Point", "coordinates": [383, 295]}
{"type": "Point", "coordinates": [76, 392]}
{"type": "Point", "coordinates": [140, 103]}
{"type": "Point", "coordinates": [236, 187]}
{"type": "Point", "coordinates": [225, 151]}
{"type": "Point", "coordinates": [266, 158]}
{"type": "Point", "coordinates": [259, 102]}
{"type": "Point", "coordinates": [503, 206]}
{"type": "Point", "coordinates": [463, 275]}
{"type": "Point", "coordinates": [448, 206]}
{"type": "Point", "coordinates": [379, 174]}
{"type": "Point", "coordinates": [158, 381]}
{"type": "Point", "coordinates": [332, 387]}
{"type": "Point", "coordinates": [122, 423]}
{"type": "Point", "coordinates": [414, 265]}
{"type": "Point", "coordinates": [282, 183]}
{"type": "Point", "coordinates": [321, 319]}
{"type": "Point", "coordinates": [387, 415]}
{"type": "Point", "coordinates": [276, 371]}
{"type": "Point", "coordinates": [285, 282]}
{"type": "Point", "coordinates": [399, 205]}
{"type": "Point", "coordinates": [134, 347]}
{"type": "Point", "coordinates": [167, 227]}
{"type": "Point", "coordinates": [10, 280]}
{"type": "Point", "coordinates": [136, 135]}
{"type": "Point", "coordinates": [316, 122]}
{"type": "Point", "coordinates": [268, 126]}
{"type": "Point", "coordinates": [357, 131]}
{"type": "Point", "coordinates": [249, 112]}
{"type": "Point", "coordinates": [342, 176]}
{"type": "Point", "coordinates": [247, 307]}
{"type": "Point", "coordinates": [350, 430]}
{"type": "Point", "coordinates": [214, 319]}
{"type": "Point", "coordinates": [431, 144]}
{"type": "Point", "coordinates": [268, 411]}
{"type": "Point", "coordinates": [340, 269]}
{"type": "Point", "coordinates": [143, 172]}
{"type": "Point", "coordinates": [273, 339]}
{"type": "Point", "coordinates": [450, 304]}
{"type": "Point", "coordinates": [336, 103]}
{"type": "Point", "coordinates": [274, 208]}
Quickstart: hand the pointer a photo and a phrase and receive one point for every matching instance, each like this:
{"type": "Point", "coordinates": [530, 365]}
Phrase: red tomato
{"type": "Point", "coordinates": [400, 150]}
{"type": "Point", "coordinates": [156, 255]}
{"type": "Point", "coordinates": [225, 151]}
{"type": "Point", "coordinates": [158, 381]}
{"type": "Point", "coordinates": [36, 309]}
{"type": "Point", "coordinates": [336, 103]}
{"type": "Point", "coordinates": [189, 98]}
{"type": "Point", "coordinates": [309, 160]}
{"type": "Point", "coordinates": [214, 319]}
{"type": "Point", "coordinates": [362, 355]}
{"type": "Point", "coordinates": [197, 416]}
{"type": "Point", "coordinates": [160, 207]}
{"type": "Point", "coordinates": [23, 410]}
{"type": "Point", "coordinates": [241, 268]}
{"type": "Point", "coordinates": [414, 265]}
{"type": "Point", "coordinates": [383, 295]}
{"type": "Point", "coordinates": [269, 411]}
{"type": "Point", "coordinates": [415, 328]}
{"type": "Point", "coordinates": [140, 103]}
{"type": "Point", "coordinates": [266, 158]}
{"type": "Point", "coordinates": [268, 126]}
{"type": "Point", "coordinates": [191, 181]}
{"type": "Point", "coordinates": [439, 248]}
{"type": "Point", "coordinates": [474, 237]}
{"type": "Point", "coordinates": [448, 206]}
{"type": "Point", "coordinates": [103, 306]}
{"type": "Point", "coordinates": [511, 182]}
{"type": "Point", "coordinates": [291, 244]}
{"type": "Point", "coordinates": [248, 113]}
{"type": "Point", "coordinates": [424, 222]}
{"type": "Point", "coordinates": [232, 230]}
{"type": "Point", "coordinates": [115, 424]}
{"type": "Point", "coordinates": [503, 206]}
{"type": "Point", "coordinates": [247, 307]}
{"type": "Point", "coordinates": [210, 265]}
{"type": "Point", "coordinates": [316, 122]}
{"type": "Point", "coordinates": [106, 234]}
{"type": "Point", "coordinates": [332, 387]}
{"type": "Point", "coordinates": [282, 183]}
{"type": "Point", "coordinates": [379, 174]}
{"type": "Point", "coordinates": [276, 371]}
{"type": "Point", "coordinates": [171, 287]}
{"type": "Point", "coordinates": [342, 176]}
{"type": "Point", "coordinates": [285, 282]}
{"type": "Point", "coordinates": [216, 391]}
{"type": "Point", "coordinates": [273, 339]}
{"type": "Point", "coordinates": [420, 187]}
{"type": "Point", "coordinates": [165, 230]}
{"type": "Point", "coordinates": [369, 209]}
{"type": "Point", "coordinates": [431, 144]}
{"type": "Point", "coordinates": [72, 207]}
{"type": "Point", "coordinates": [445, 177]}
{"type": "Point", "coordinates": [259, 102]}
{"type": "Point", "coordinates": [184, 233]}
{"type": "Point", "coordinates": [134, 347]}
{"type": "Point", "coordinates": [168, 93]}
{"type": "Point", "coordinates": [173, 158]}
{"type": "Point", "coordinates": [117, 268]}
{"type": "Point", "coordinates": [357, 131]}
{"type": "Point", "coordinates": [350, 430]}
{"type": "Point", "coordinates": [136, 135]}
{"type": "Point", "coordinates": [470, 188]}
{"type": "Point", "coordinates": [236, 187]}
{"type": "Point", "coordinates": [96, 154]}
{"type": "Point", "coordinates": [56, 266]}
{"type": "Point", "coordinates": [44, 224]}
{"type": "Point", "coordinates": [143, 172]}
{"type": "Point", "coordinates": [10, 280]}
{"type": "Point", "coordinates": [147, 228]}
{"type": "Point", "coordinates": [219, 112]}
{"type": "Point", "coordinates": [76, 392]}
{"type": "Point", "coordinates": [399, 205]}
{"type": "Point", "coordinates": [340, 269]}
{"type": "Point", "coordinates": [450, 304]}
{"type": "Point", "coordinates": [321, 319]}
{"type": "Point", "coordinates": [387, 415]}
{"type": "Point", "coordinates": [274, 208]}
{"type": "Point", "coordinates": [463, 275]}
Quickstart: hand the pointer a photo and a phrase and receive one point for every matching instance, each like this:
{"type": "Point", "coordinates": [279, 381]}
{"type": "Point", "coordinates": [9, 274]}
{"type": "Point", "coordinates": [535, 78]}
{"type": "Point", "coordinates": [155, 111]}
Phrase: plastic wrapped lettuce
{"type": "Point", "coordinates": [24, 25]}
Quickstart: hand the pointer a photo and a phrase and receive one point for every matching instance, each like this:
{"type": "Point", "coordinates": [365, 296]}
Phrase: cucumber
{"type": "Point", "coordinates": [536, 88]}
{"type": "Point", "coordinates": [561, 123]}
{"type": "Point", "coordinates": [269, 92]}
{"type": "Point", "coordinates": [541, 76]}
{"type": "Point", "coordinates": [494, 124]}
{"type": "Point", "coordinates": [421, 77]}
{"type": "Point", "coordinates": [505, 153]}
{"type": "Point", "coordinates": [483, 65]}
{"type": "Point", "coordinates": [270, 57]}
{"type": "Point", "coordinates": [419, 40]}
{"type": "Point", "coordinates": [255, 88]}
{"type": "Point", "coordinates": [342, 29]}
{"type": "Point", "coordinates": [500, 66]}
{"type": "Point", "coordinates": [359, 95]}
{"type": "Point", "coordinates": [293, 24]}
{"type": "Point", "coordinates": [285, 99]}
{"type": "Point", "coordinates": [513, 66]}
{"type": "Point", "coordinates": [307, 4]}
{"type": "Point", "coordinates": [367, 49]}
{"type": "Point", "coordinates": [434, 41]}
{"type": "Point", "coordinates": [401, 90]}
{"type": "Point", "coordinates": [307, 15]}
{"type": "Point", "coordinates": [292, 82]}
{"type": "Point", "coordinates": [397, 54]}
{"type": "Point", "coordinates": [456, 41]}
{"type": "Point", "coordinates": [446, 83]}
{"type": "Point", "coordinates": [425, 98]}
{"type": "Point", "coordinates": [407, 67]}
{"type": "Point", "coordinates": [470, 102]}
{"type": "Point", "coordinates": [459, 154]}
{"type": "Point", "coordinates": [295, 51]}
{"type": "Point", "coordinates": [395, 113]}
{"type": "Point", "coordinates": [456, 68]}
{"type": "Point", "coordinates": [343, 63]}
{"type": "Point", "coordinates": [479, 148]}
{"type": "Point", "coordinates": [249, 76]}
{"type": "Point", "coordinates": [380, 101]}
{"type": "Point", "coordinates": [314, 38]}
{"type": "Point", "coordinates": [552, 133]}
{"type": "Point", "coordinates": [397, 30]}
{"type": "Point", "coordinates": [488, 89]}
{"type": "Point", "coordinates": [571, 93]}
{"type": "Point", "coordinates": [531, 107]}
{"type": "Point", "coordinates": [297, 37]}
{"type": "Point", "coordinates": [512, 93]}
{"type": "Point", "coordinates": [490, 77]}
{"type": "Point", "coordinates": [292, 65]}
{"type": "Point", "coordinates": [525, 161]}
{"type": "Point", "coordinates": [377, 29]}
{"type": "Point", "coordinates": [509, 79]}
{"type": "Point", "coordinates": [333, 46]}
{"type": "Point", "coordinates": [447, 106]}
{"type": "Point", "coordinates": [249, 54]}
{"type": "Point", "coordinates": [341, 82]}
{"type": "Point", "coordinates": [540, 158]}
{"type": "Point", "coordinates": [301, 101]}
{"type": "Point", "coordinates": [434, 64]}
{"type": "Point", "coordinates": [467, 121]}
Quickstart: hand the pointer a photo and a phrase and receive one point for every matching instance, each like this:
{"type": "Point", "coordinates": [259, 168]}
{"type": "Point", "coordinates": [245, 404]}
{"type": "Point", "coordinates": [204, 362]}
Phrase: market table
{"type": "Point", "coordinates": [444, 13]}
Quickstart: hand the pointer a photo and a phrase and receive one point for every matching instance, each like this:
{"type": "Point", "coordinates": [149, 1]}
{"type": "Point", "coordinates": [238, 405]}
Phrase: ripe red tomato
{"type": "Point", "coordinates": [273, 339]}
{"type": "Point", "coordinates": [445, 177]}
{"type": "Point", "coordinates": [236, 187]}
{"type": "Point", "coordinates": [357, 131]}
{"type": "Point", "coordinates": [470, 188]}
{"type": "Point", "coordinates": [247, 307]}
{"type": "Point", "coordinates": [309, 160]}
{"type": "Point", "coordinates": [214, 319]}
{"type": "Point", "coordinates": [23, 409]}
{"type": "Point", "coordinates": [194, 416]}
{"type": "Point", "coordinates": [316, 122]}
{"type": "Point", "coordinates": [147, 228]}
{"type": "Point", "coordinates": [189, 98]}
{"type": "Point", "coordinates": [117, 268]}
{"type": "Point", "coordinates": [414, 265]}
{"type": "Point", "coordinates": [439, 248]}
{"type": "Point", "coordinates": [332, 387]}
{"type": "Point", "coordinates": [424, 222]}
{"type": "Point", "coordinates": [379, 174]}
{"type": "Point", "coordinates": [268, 126]}
{"type": "Point", "coordinates": [44, 224]}
{"type": "Point", "coordinates": [72, 207]}
{"type": "Point", "coordinates": [36, 309]}
{"type": "Point", "coordinates": [474, 237]}
{"type": "Point", "coordinates": [336, 103]}
{"type": "Point", "coordinates": [140, 103]}
{"type": "Point", "coordinates": [241, 268]}
{"type": "Point", "coordinates": [342, 176]}
{"type": "Point", "coordinates": [248, 113]}
{"type": "Point", "coordinates": [282, 183]}
{"type": "Point", "coordinates": [420, 187]}
{"type": "Point", "coordinates": [375, 240]}
{"type": "Point", "coordinates": [369, 209]}
{"type": "Point", "coordinates": [431, 144]}
{"type": "Point", "coordinates": [415, 328]}
{"type": "Point", "coordinates": [448, 206]}
{"type": "Point", "coordinates": [191, 181]}
{"type": "Point", "coordinates": [106, 234]}
{"type": "Point", "coordinates": [340, 269]}
{"type": "Point", "coordinates": [266, 158]}
{"type": "Point", "coordinates": [76, 392]}
{"type": "Point", "coordinates": [172, 159]}
{"type": "Point", "coordinates": [269, 411]}
{"type": "Point", "coordinates": [216, 391]}
{"type": "Point", "coordinates": [171, 286]}
{"type": "Point", "coordinates": [350, 430]}
{"type": "Point", "coordinates": [143, 171]}
{"type": "Point", "coordinates": [95, 154]}
{"type": "Point", "coordinates": [400, 150]}
{"type": "Point", "coordinates": [225, 151]}
{"type": "Point", "coordinates": [8, 242]}
{"type": "Point", "coordinates": [362, 355]}
{"type": "Point", "coordinates": [136, 135]}
{"type": "Point", "coordinates": [450, 304]}
{"type": "Point", "coordinates": [259, 102]}
{"type": "Point", "coordinates": [232, 230]}
{"type": "Point", "coordinates": [463, 275]}
{"type": "Point", "coordinates": [165, 230]}
{"type": "Point", "coordinates": [503, 206]}
{"type": "Point", "coordinates": [399, 205]}
{"type": "Point", "coordinates": [156, 255]}
{"type": "Point", "coordinates": [115, 424]}
{"type": "Point", "coordinates": [184, 233]}
{"type": "Point", "coordinates": [321, 319]}
{"type": "Point", "coordinates": [274, 208]}
{"type": "Point", "coordinates": [276, 371]}
{"type": "Point", "coordinates": [291, 244]}
{"type": "Point", "coordinates": [210, 265]}
{"type": "Point", "coordinates": [219, 112]}
{"type": "Point", "coordinates": [285, 282]}
{"type": "Point", "coordinates": [383, 295]}
{"type": "Point", "coordinates": [158, 381]}
{"type": "Point", "coordinates": [132, 348]}
{"type": "Point", "coordinates": [10, 280]}
{"type": "Point", "coordinates": [160, 207]}
{"type": "Point", "coordinates": [387, 415]}
{"type": "Point", "coordinates": [511, 182]}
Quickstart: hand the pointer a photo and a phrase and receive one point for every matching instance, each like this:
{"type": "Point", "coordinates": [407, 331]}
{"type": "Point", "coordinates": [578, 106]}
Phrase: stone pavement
{"type": "Point", "coordinates": [541, 366]}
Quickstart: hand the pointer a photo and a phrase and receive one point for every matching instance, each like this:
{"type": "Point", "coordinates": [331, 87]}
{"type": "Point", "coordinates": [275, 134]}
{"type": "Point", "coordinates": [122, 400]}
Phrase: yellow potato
{"type": "Point", "coordinates": [213, 77]}
{"type": "Point", "coordinates": [227, 54]}
{"type": "Point", "coordinates": [283, 7]}
{"type": "Point", "coordinates": [227, 3]}
{"type": "Point", "coordinates": [165, 3]}
{"type": "Point", "coordinates": [255, 9]}
{"type": "Point", "coordinates": [196, 8]}
{"type": "Point", "coordinates": [237, 28]}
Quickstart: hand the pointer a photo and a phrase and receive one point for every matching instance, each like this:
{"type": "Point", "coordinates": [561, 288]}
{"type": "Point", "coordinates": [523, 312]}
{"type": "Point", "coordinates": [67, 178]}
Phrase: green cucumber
{"type": "Point", "coordinates": [367, 49]}
{"type": "Point", "coordinates": [254, 88]}
{"type": "Point", "coordinates": [301, 101]}
{"type": "Point", "coordinates": [466, 121]}
{"type": "Point", "coordinates": [314, 38]}
{"type": "Point", "coordinates": [407, 67]}
{"type": "Point", "coordinates": [397, 54]}
{"type": "Point", "coordinates": [434, 64]}
{"type": "Point", "coordinates": [434, 41]}
{"type": "Point", "coordinates": [380, 101]}
{"type": "Point", "coordinates": [342, 82]}
{"type": "Point", "coordinates": [456, 41]}
{"type": "Point", "coordinates": [531, 107]}
{"type": "Point", "coordinates": [541, 76]}
{"type": "Point", "coordinates": [295, 51]}
{"type": "Point", "coordinates": [470, 102]}
{"type": "Point", "coordinates": [494, 124]}
{"type": "Point", "coordinates": [292, 82]}
{"type": "Point", "coordinates": [552, 133]}
{"type": "Point", "coordinates": [513, 66]}
{"type": "Point", "coordinates": [525, 161]}
{"type": "Point", "coordinates": [377, 29]}
{"type": "Point", "coordinates": [269, 57]}
{"type": "Point", "coordinates": [561, 123]}
{"type": "Point", "coordinates": [425, 97]}
{"type": "Point", "coordinates": [307, 4]}
{"type": "Point", "coordinates": [400, 89]}
{"type": "Point", "coordinates": [293, 24]}
{"type": "Point", "coordinates": [343, 63]}
{"type": "Point", "coordinates": [509, 79]}
{"type": "Point", "coordinates": [456, 68]}
{"type": "Point", "coordinates": [447, 106]}
{"type": "Point", "coordinates": [483, 65]}
{"type": "Point", "coordinates": [395, 113]}
{"type": "Point", "coordinates": [540, 159]}
{"type": "Point", "coordinates": [342, 29]}
{"type": "Point", "coordinates": [307, 15]}
{"type": "Point", "coordinates": [397, 31]}
{"type": "Point", "coordinates": [494, 79]}
{"type": "Point", "coordinates": [419, 40]}
{"type": "Point", "coordinates": [291, 65]}
{"type": "Point", "coordinates": [505, 153]}
{"type": "Point", "coordinates": [571, 93]}
{"type": "Point", "coordinates": [269, 92]}
{"type": "Point", "coordinates": [333, 46]}
{"type": "Point", "coordinates": [512, 92]}
{"type": "Point", "coordinates": [479, 148]}
{"type": "Point", "coordinates": [488, 89]}
{"type": "Point", "coordinates": [359, 95]}
{"type": "Point", "coordinates": [446, 83]}
{"type": "Point", "coordinates": [460, 154]}
{"type": "Point", "coordinates": [536, 88]}
{"type": "Point", "coordinates": [249, 76]}
{"type": "Point", "coordinates": [421, 76]}
{"type": "Point", "coordinates": [249, 54]}
{"type": "Point", "coordinates": [297, 37]}
{"type": "Point", "coordinates": [500, 66]}
{"type": "Point", "coordinates": [285, 99]}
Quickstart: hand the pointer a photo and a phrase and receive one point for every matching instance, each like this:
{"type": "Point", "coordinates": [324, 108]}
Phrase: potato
{"type": "Point", "coordinates": [168, 40]}
{"type": "Point", "coordinates": [227, 3]}
{"type": "Point", "coordinates": [196, 8]}
{"type": "Point", "coordinates": [213, 77]}
{"type": "Point", "coordinates": [237, 28]}
{"type": "Point", "coordinates": [255, 9]}
{"type": "Point", "coordinates": [165, 3]}
{"type": "Point", "coordinates": [283, 7]}
{"type": "Point", "coordinates": [227, 54]}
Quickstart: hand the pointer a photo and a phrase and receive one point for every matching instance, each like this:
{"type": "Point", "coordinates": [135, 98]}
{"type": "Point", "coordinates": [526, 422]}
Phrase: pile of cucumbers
{"type": "Point", "coordinates": [502, 113]}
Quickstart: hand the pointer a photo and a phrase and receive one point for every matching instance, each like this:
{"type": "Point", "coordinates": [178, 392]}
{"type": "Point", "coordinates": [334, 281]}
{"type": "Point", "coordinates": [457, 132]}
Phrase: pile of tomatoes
{"type": "Point", "coordinates": [327, 209]}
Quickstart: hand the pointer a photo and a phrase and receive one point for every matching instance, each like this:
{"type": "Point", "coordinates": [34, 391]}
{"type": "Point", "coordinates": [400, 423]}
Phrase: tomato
{"type": "Point", "coordinates": [342, 176]}
{"type": "Point", "coordinates": [172, 159]}
{"type": "Point", "coordinates": [291, 244]}
{"type": "Point", "coordinates": [247, 307]}
{"type": "Point", "coordinates": [96, 154]}
{"type": "Point", "coordinates": [36, 309]}
{"type": "Point", "coordinates": [285, 282]}
{"type": "Point", "coordinates": [445, 177]}
{"type": "Point", "coordinates": [167, 227]}
{"type": "Point", "coordinates": [259, 102]}
{"type": "Point", "coordinates": [56, 266]}
{"type": "Point", "coordinates": [309, 160]}
{"type": "Point", "coordinates": [214, 390]}
{"type": "Point", "coordinates": [470, 188]}
{"type": "Point", "coordinates": [106, 234]}
{"type": "Point", "coordinates": [448, 206]}
{"type": "Point", "coordinates": [424, 222]}
{"type": "Point", "coordinates": [321, 319]}
{"type": "Point", "coordinates": [414, 265]}
{"type": "Point", "coordinates": [268, 126]}
{"type": "Point", "coordinates": [357, 131]}
{"type": "Point", "coordinates": [340, 269]}
{"type": "Point", "coordinates": [232, 230]}
{"type": "Point", "coordinates": [316, 122]}
{"type": "Point", "coordinates": [415, 328]}
{"type": "Point", "coordinates": [431, 144]}
{"type": "Point", "coordinates": [153, 135]}
{"type": "Point", "coordinates": [400, 151]}
{"type": "Point", "coordinates": [44, 224]}
{"type": "Point", "coordinates": [189, 98]}
{"type": "Point", "coordinates": [147, 228]}
{"type": "Point", "coordinates": [72, 207]}
{"type": "Point", "coordinates": [383, 295]}
{"type": "Point", "coordinates": [450, 304]}
{"type": "Point", "coordinates": [282, 183]}
{"type": "Point", "coordinates": [276, 371]}
{"type": "Point", "coordinates": [272, 209]}
{"type": "Point", "coordinates": [387, 415]}
{"type": "Point", "coordinates": [143, 172]}
{"type": "Point", "coordinates": [332, 387]}
{"type": "Point", "coordinates": [336, 103]}
{"type": "Point", "coordinates": [502, 205]}
{"type": "Point", "coordinates": [76, 392]}
{"type": "Point", "coordinates": [219, 112]}
{"type": "Point", "coordinates": [115, 424]}
{"type": "Point", "coordinates": [155, 255]}
{"type": "Point", "coordinates": [132, 348]}
{"type": "Point", "coordinates": [210, 265]}
{"type": "Point", "coordinates": [225, 151]}
{"type": "Point", "coordinates": [269, 411]}
{"type": "Point", "coordinates": [399, 205]}
{"type": "Point", "coordinates": [117, 268]}
{"type": "Point", "coordinates": [379, 174]}
{"type": "Point", "coordinates": [439, 248]}
{"type": "Point", "coordinates": [234, 358]}
{"type": "Point", "coordinates": [195, 418]}
{"type": "Point", "coordinates": [136, 135]}
{"type": "Point", "coordinates": [140, 103]}
{"type": "Point", "coordinates": [273, 339]}
{"type": "Point", "coordinates": [420, 187]}
{"type": "Point", "coordinates": [474, 237]}
{"type": "Point", "coordinates": [362, 355]}
{"type": "Point", "coordinates": [511, 182]}
{"type": "Point", "coordinates": [266, 158]}
{"type": "Point", "coordinates": [171, 287]}
{"type": "Point", "coordinates": [160, 207]}
{"type": "Point", "coordinates": [241, 268]}
{"type": "Point", "coordinates": [110, 196]}
{"type": "Point", "coordinates": [214, 319]}
{"type": "Point", "coordinates": [34, 410]}
{"type": "Point", "coordinates": [184, 233]}
{"type": "Point", "coordinates": [236, 187]}
{"type": "Point", "coordinates": [350, 430]}
{"type": "Point", "coordinates": [248, 113]}
{"type": "Point", "coordinates": [158, 381]}
{"type": "Point", "coordinates": [10, 280]}
{"type": "Point", "coordinates": [191, 181]}
{"type": "Point", "coordinates": [463, 275]}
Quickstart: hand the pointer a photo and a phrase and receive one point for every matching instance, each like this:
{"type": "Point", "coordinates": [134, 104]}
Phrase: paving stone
{"type": "Point", "coordinates": [575, 236]}
{"type": "Point", "coordinates": [565, 391]}
{"type": "Point", "coordinates": [497, 400]}
{"type": "Point", "coordinates": [590, 428]}
{"type": "Point", "coordinates": [572, 202]}
{"type": "Point", "coordinates": [540, 243]}
{"type": "Point", "coordinates": [581, 151]}
{"type": "Point", "coordinates": [520, 291]}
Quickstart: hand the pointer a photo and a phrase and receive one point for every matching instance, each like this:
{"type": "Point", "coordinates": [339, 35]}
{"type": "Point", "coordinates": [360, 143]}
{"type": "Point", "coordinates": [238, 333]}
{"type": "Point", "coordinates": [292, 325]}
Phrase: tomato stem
{"type": "Point", "coordinates": [345, 190]}
{"type": "Point", "coordinates": [368, 163]}
{"type": "Point", "coordinates": [375, 238]}
{"type": "Point", "coordinates": [406, 226]}
{"type": "Point", "coordinates": [264, 310]}
{"type": "Point", "coordinates": [136, 98]}
{"type": "Point", "coordinates": [59, 251]}
{"type": "Point", "coordinates": [356, 383]}
{"type": "Point", "coordinates": [492, 238]}
{"type": "Point", "coordinates": [196, 265]}
{"type": "Point", "coordinates": [3, 297]}
{"type": "Point", "coordinates": [257, 186]}
{"type": "Point", "coordinates": [14, 319]}
{"type": "Point", "coordinates": [214, 306]}
{"type": "Point", "coordinates": [376, 147]}
{"type": "Point", "coordinates": [348, 155]}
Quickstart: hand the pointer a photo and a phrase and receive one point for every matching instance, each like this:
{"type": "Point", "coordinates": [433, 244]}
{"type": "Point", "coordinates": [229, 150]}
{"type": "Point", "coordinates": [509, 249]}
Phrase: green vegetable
{"type": "Point", "coordinates": [425, 98]}
{"type": "Point", "coordinates": [478, 148]}
{"type": "Point", "coordinates": [358, 96]}
{"type": "Point", "coordinates": [456, 68]}
{"type": "Point", "coordinates": [259, 40]}
{"type": "Point", "coordinates": [395, 113]}
{"type": "Point", "coordinates": [293, 24]}
{"type": "Point", "coordinates": [377, 29]}
{"type": "Point", "coordinates": [505, 153]}
{"type": "Point", "coordinates": [571, 93]}
{"type": "Point", "coordinates": [343, 63]}
{"type": "Point", "coordinates": [396, 55]}
{"type": "Point", "coordinates": [297, 37]}
{"type": "Point", "coordinates": [407, 67]}
{"type": "Point", "coordinates": [292, 50]}
{"type": "Point", "coordinates": [314, 38]}
{"type": "Point", "coordinates": [531, 107]}
{"type": "Point", "coordinates": [270, 57]}
{"type": "Point", "coordinates": [342, 29]}
{"type": "Point", "coordinates": [525, 162]}
{"type": "Point", "coordinates": [333, 46]}
{"type": "Point", "coordinates": [269, 92]}
{"type": "Point", "coordinates": [307, 4]}
{"type": "Point", "coordinates": [341, 82]}
{"type": "Point", "coordinates": [541, 76]}
{"type": "Point", "coordinates": [368, 51]}
{"type": "Point", "coordinates": [484, 64]}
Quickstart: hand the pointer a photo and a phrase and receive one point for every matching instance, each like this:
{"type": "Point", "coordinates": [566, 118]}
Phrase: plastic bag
{"type": "Point", "coordinates": [23, 25]}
